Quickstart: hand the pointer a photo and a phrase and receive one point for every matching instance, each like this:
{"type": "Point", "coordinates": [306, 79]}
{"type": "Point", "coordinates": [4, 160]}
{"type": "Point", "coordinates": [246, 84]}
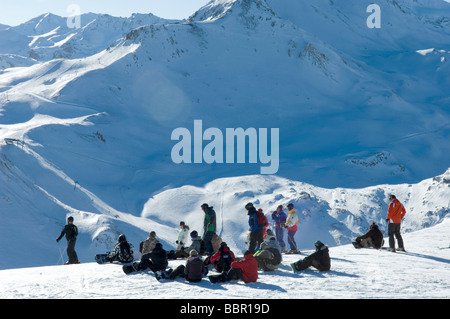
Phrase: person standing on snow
{"type": "Point", "coordinates": [279, 217]}
{"type": "Point", "coordinates": [71, 232]}
{"type": "Point", "coordinates": [256, 230]}
{"type": "Point", "coordinates": [396, 212]}
{"type": "Point", "coordinates": [291, 226]}
{"type": "Point", "coordinates": [209, 227]}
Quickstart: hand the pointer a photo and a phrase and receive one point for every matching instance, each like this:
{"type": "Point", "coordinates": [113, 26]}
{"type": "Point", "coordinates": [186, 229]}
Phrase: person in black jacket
{"type": "Point", "coordinates": [256, 230]}
{"type": "Point", "coordinates": [373, 238]}
{"type": "Point", "coordinates": [209, 227]}
{"type": "Point", "coordinates": [122, 252]}
{"type": "Point", "coordinates": [71, 232]}
{"type": "Point", "coordinates": [320, 259]}
{"type": "Point", "coordinates": [156, 260]}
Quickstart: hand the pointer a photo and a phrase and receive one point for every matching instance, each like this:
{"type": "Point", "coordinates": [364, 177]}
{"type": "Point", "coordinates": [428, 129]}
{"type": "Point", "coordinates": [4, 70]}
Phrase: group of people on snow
{"type": "Point", "coordinates": [265, 250]}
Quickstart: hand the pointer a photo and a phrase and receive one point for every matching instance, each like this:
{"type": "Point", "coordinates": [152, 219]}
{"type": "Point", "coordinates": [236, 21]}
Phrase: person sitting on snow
{"type": "Point", "coordinates": [193, 271]}
{"type": "Point", "coordinates": [122, 252]}
{"type": "Point", "coordinates": [320, 259]}
{"type": "Point", "coordinates": [373, 238]}
{"type": "Point", "coordinates": [245, 270]}
{"type": "Point", "coordinates": [222, 259]}
{"type": "Point", "coordinates": [269, 255]}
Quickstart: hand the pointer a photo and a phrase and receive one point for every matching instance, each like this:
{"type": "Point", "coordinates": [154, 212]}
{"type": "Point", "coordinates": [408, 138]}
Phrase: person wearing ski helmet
{"type": "Point", "coordinates": [320, 259]}
{"type": "Point", "coordinates": [122, 252]}
{"type": "Point", "coordinates": [71, 232]}
{"type": "Point", "coordinates": [256, 230]}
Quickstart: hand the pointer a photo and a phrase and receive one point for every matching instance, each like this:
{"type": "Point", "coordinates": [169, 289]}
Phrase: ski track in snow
{"type": "Point", "coordinates": [421, 272]}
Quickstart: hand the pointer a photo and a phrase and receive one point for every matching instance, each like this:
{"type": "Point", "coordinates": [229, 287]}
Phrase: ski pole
{"type": "Point", "coordinates": [60, 255]}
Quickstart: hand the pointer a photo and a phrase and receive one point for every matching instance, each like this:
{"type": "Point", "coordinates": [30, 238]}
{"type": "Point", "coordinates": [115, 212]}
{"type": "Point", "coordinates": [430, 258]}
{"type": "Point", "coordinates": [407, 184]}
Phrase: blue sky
{"type": "Point", "coordinates": [18, 11]}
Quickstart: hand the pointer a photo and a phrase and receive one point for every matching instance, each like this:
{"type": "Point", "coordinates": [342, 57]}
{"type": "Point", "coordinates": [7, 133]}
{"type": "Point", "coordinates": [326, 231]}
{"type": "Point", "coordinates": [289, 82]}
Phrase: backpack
{"type": "Point", "coordinates": [261, 218]}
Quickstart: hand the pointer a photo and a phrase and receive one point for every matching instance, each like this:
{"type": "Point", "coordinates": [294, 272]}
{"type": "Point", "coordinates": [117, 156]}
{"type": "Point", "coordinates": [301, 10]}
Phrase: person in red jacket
{"type": "Point", "coordinates": [396, 212]}
{"type": "Point", "coordinates": [245, 269]}
{"type": "Point", "coordinates": [222, 259]}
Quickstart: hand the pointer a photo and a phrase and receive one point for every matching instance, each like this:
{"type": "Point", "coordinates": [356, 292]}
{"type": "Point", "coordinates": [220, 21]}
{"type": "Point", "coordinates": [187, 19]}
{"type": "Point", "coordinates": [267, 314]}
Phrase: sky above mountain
{"type": "Point", "coordinates": [15, 12]}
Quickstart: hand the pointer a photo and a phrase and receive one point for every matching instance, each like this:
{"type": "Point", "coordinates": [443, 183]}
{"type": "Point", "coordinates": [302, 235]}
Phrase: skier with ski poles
{"type": "Point", "coordinates": [71, 232]}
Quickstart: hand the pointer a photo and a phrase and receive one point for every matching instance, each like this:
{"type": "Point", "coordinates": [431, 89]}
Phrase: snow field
{"type": "Point", "coordinates": [421, 272]}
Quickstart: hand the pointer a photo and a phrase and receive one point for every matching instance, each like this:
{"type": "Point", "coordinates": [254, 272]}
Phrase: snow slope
{"type": "Point", "coordinates": [423, 272]}
{"type": "Point", "coordinates": [91, 112]}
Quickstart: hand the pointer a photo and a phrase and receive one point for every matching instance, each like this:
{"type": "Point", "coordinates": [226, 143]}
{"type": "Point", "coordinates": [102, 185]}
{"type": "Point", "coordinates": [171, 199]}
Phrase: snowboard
{"type": "Point", "coordinates": [216, 278]}
{"type": "Point", "coordinates": [161, 274]}
{"type": "Point", "coordinates": [68, 263]}
{"type": "Point", "coordinates": [356, 245]}
{"type": "Point", "coordinates": [292, 252]}
{"type": "Point", "coordinates": [128, 269]}
{"type": "Point", "coordinates": [295, 271]}
{"type": "Point", "coordinates": [101, 258]}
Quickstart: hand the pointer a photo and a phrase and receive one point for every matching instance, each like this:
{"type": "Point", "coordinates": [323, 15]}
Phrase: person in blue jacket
{"type": "Point", "coordinates": [256, 230]}
{"type": "Point", "coordinates": [279, 217]}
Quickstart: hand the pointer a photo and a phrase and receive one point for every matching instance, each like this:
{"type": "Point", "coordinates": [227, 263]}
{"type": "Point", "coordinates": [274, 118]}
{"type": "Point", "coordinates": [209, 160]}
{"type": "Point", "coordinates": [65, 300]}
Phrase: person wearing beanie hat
{"type": "Point", "coordinates": [209, 227]}
{"type": "Point", "coordinates": [245, 269]}
{"type": "Point", "coordinates": [291, 226]}
{"type": "Point", "coordinates": [373, 238]}
{"type": "Point", "coordinates": [71, 232]}
{"type": "Point", "coordinates": [193, 253]}
{"type": "Point", "coordinates": [256, 230]}
{"type": "Point", "coordinates": [193, 271]}
{"type": "Point", "coordinates": [156, 260]}
{"type": "Point", "coordinates": [222, 259]}
{"type": "Point", "coordinates": [122, 252]}
{"type": "Point", "coordinates": [320, 259]}
{"type": "Point", "coordinates": [269, 256]}
{"type": "Point", "coordinates": [183, 236]}
{"type": "Point", "coordinates": [279, 217]}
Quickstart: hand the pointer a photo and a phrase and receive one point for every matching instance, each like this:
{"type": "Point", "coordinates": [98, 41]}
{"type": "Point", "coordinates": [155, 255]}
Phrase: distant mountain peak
{"type": "Point", "coordinates": [218, 9]}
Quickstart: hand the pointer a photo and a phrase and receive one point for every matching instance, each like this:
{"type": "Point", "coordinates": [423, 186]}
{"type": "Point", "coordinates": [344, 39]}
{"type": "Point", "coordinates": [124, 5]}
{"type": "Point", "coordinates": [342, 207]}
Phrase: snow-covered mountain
{"type": "Point", "coordinates": [87, 116]}
{"type": "Point", "coordinates": [50, 36]}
